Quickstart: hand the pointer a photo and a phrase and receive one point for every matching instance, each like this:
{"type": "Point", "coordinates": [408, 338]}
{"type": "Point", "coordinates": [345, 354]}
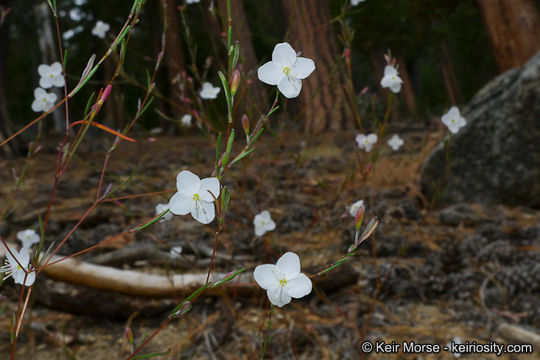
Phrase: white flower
{"type": "Point", "coordinates": [453, 120]}
{"type": "Point", "coordinates": [161, 208]}
{"type": "Point", "coordinates": [51, 75]}
{"type": "Point", "coordinates": [175, 252]}
{"type": "Point", "coordinates": [28, 238]}
{"type": "Point", "coordinates": [75, 14]}
{"type": "Point", "coordinates": [395, 142]}
{"type": "Point", "coordinates": [286, 70]}
{"type": "Point", "coordinates": [263, 223]}
{"type": "Point", "coordinates": [100, 29]}
{"type": "Point", "coordinates": [354, 207]}
{"type": "Point", "coordinates": [209, 91]}
{"type": "Point", "coordinates": [12, 267]}
{"type": "Point", "coordinates": [43, 101]}
{"type": "Point", "coordinates": [192, 1]}
{"type": "Point", "coordinates": [356, 2]}
{"type": "Point", "coordinates": [194, 196]}
{"type": "Point", "coordinates": [391, 79]}
{"type": "Point", "coordinates": [283, 280]}
{"type": "Point", "coordinates": [366, 142]}
{"type": "Point", "coordinates": [186, 120]}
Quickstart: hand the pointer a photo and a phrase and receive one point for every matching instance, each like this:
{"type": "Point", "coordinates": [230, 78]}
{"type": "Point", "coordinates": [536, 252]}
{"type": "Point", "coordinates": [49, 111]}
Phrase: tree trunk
{"type": "Point", "coordinates": [514, 30]}
{"type": "Point", "coordinates": [174, 56]}
{"type": "Point", "coordinates": [242, 33]}
{"type": "Point", "coordinates": [49, 54]}
{"type": "Point", "coordinates": [449, 76]}
{"type": "Point", "coordinates": [323, 98]}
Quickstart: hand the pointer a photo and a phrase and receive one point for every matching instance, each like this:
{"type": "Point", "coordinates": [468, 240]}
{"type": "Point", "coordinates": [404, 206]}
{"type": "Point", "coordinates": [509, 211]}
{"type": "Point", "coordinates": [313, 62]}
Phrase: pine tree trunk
{"type": "Point", "coordinates": [49, 54]}
{"type": "Point", "coordinates": [174, 55]}
{"type": "Point", "coordinates": [514, 30]}
{"type": "Point", "coordinates": [248, 60]}
{"type": "Point", "coordinates": [323, 99]}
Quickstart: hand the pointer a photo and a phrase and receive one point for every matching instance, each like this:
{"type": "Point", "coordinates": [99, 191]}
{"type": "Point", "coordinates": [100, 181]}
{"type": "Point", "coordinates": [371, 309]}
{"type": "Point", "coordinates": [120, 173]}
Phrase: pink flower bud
{"type": "Point", "coordinates": [359, 217]}
{"type": "Point", "coordinates": [129, 334]}
{"type": "Point", "coordinates": [347, 53]}
{"type": "Point", "coordinates": [245, 124]}
{"type": "Point", "coordinates": [235, 81]}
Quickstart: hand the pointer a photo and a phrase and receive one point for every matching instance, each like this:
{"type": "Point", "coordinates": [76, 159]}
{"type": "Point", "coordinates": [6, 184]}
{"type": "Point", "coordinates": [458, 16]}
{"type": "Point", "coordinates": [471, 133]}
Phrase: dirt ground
{"type": "Point", "coordinates": [456, 271]}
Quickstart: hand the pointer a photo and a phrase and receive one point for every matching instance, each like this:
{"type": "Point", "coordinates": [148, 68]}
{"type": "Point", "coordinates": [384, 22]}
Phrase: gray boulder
{"type": "Point", "coordinates": [495, 158]}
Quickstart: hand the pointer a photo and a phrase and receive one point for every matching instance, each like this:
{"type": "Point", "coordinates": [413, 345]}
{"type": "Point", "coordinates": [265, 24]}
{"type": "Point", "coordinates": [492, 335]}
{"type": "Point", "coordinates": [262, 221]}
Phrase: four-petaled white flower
{"type": "Point", "coordinates": [283, 280]}
{"type": "Point", "coordinates": [353, 209]}
{"type": "Point", "coordinates": [175, 252]}
{"type": "Point", "coordinates": [43, 101]}
{"type": "Point", "coordinates": [100, 29]}
{"type": "Point", "coordinates": [286, 70]}
{"type": "Point", "coordinates": [395, 142]}
{"type": "Point", "coordinates": [51, 75]}
{"type": "Point", "coordinates": [366, 142]}
{"type": "Point", "coordinates": [391, 79]}
{"type": "Point", "coordinates": [186, 120]}
{"type": "Point", "coordinates": [453, 120]}
{"type": "Point", "coordinates": [195, 196]}
{"type": "Point", "coordinates": [263, 222]}
{"type": "Point", "coordinates": [28, 238]}
{"type": "Point", "coordinates": [12, 267]}
{"type": "Point", "coordinates": [356, 2]}
{"type": "Point", "coordinates": [209, 91]}
{"type": "Point", "coordinates": [161, 208]}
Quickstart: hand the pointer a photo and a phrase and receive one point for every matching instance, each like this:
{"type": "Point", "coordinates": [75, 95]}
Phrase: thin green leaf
{"type": "Point", "coordinates": [241, 156]}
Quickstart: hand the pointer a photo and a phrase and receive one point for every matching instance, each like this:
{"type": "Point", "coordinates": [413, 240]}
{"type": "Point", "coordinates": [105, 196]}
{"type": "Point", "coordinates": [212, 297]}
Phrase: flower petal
{"type": "Point", "coordinates": [270, 73]}
{"type": "Point", "coordinates": [259, 230]}
{"type": "Point", "coordinates": [290, 87]}
{"type": "Point", "coordinates": [43, 70]}
{"type": "Point", "coordinates": [299, 287]}
{"type": "Point", "coordinates": [188, 183]}
{"type": "Point", "coordinates": [181, 204]}
{"type": "Point", "coordinates": [30, 279]}
{"type": "Point", "coordinates": [289, 264]}
{"type": "Point", "coordinates": [56, 68]}
{"type": "Point", "coordinates": [209, 185]}
{"type": "Point", "coordinates": [303, 67]}
{"type": "Point", "coordinates": [45, 82]}
{"type": "Point", "coordinates": [395, 87]}
{"type": "Point", "coordinates": [390, 71]}
{"type": "Point", "coordinates": [39, 92]}
{"type": "Point", "coordinates": [283, 54]}
{"type": "Point", "coordinates": [58, 81]}
{"type": "Point", "coordinates": [204, 213]}
{"type": "Point", "coordinates": [37, 105]}
{"type": "Point", "coordinates": [24, 257]}
{"type": "Point", "coordinates": [270, 225]}
{"type": "Point", "coordinates": [278, 296]}
{"type": "Point", "coordinates": [265, 275]}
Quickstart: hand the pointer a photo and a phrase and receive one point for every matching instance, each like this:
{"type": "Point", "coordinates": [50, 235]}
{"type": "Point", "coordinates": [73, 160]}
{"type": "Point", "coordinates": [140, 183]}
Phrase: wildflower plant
{"type": "Point", "coordinates": [263, 223]}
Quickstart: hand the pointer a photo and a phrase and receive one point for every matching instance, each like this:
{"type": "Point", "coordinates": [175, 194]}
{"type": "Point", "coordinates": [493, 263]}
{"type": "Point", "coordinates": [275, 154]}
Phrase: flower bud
{"type": "Point", "coordinates": [235, 81]}
{"type": "Point", "coordinates": [245, 124]}
{"type": "Point", "coordinates": [129, 334]}
{"type": "Point", "coordinates": [359, 217]}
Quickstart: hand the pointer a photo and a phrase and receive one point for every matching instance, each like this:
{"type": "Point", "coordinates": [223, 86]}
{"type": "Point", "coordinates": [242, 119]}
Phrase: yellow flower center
{"type": "Point", "coordinates": [51, 76]}
{"type": "Point", "coordinates": [283, 282]}
{"type": "Point", "coordinates": [18, 267]}
{"type": "Point", "coordinates": [453, 121]}
{"type": "Point", "coordinates": [286, 70]}
{"type": "Point", "coordinates": [196, 197]}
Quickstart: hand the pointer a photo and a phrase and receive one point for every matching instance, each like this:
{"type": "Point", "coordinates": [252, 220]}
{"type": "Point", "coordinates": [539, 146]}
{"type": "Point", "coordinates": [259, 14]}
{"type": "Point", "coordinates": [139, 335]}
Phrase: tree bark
{"type": "Point", "coordinates": [514, 30]}
{"type": "Point", "coordinates": [323, 99]}
{"type": "Point", "coordinates": [174, 55]}
{"type": "Point", "coordinates": [248, 60]}
{"type": "Point", "coordinates": [49, 55]}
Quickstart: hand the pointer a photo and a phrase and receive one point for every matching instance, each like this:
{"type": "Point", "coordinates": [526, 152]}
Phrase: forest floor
{"type": "Point", "coordinates": [456, 271]}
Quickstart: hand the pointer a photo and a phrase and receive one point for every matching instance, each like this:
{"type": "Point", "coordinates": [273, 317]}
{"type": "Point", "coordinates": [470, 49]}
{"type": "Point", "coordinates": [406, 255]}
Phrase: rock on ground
{"type": "Point", "coordinates": [495, 158]}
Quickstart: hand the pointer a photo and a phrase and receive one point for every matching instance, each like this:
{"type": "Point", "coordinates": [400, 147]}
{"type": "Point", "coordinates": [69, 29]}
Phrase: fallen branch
{"type": "Point", "coordinates": [126, 281]}
{"type": "Point", "coordinates": [516, 334]}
